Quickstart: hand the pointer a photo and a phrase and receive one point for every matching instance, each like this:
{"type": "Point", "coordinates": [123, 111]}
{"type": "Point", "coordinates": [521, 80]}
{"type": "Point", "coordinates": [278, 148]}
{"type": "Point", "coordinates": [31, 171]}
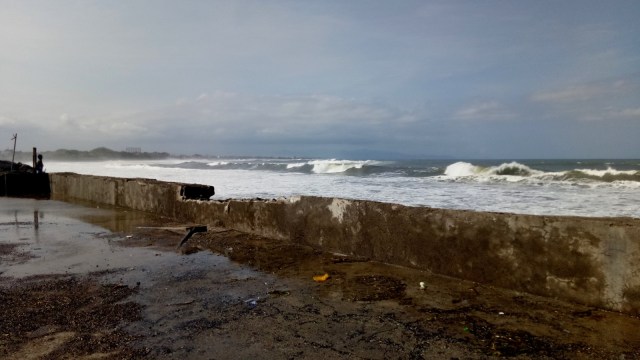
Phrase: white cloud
{"type": "Point", "coordinates": [7, 121]}
{"type": "Point", "coordinates": [629, 113]}
{"type": "Point", "coordinates": [570, 94]}
{"type": "Point", "coordinates": [222, 116]}
{"type": "Point", "coordinates": [593, 102]}
{"type": "Point", "coordinates": [231, 122]}
{"type": "Point", "coordinates": [609, 114]}
{"type": "Point", "coordinates": [585, 92]}
{"type": "Point", "coordinates": [489, 110]}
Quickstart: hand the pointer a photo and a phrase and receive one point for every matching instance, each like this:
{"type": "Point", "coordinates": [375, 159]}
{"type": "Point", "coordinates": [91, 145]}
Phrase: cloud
{"type": "Point", "coordinates": [629, 113]}
{"type": "Point", "coordinates": [586, 92]}
{"type": "Point", "coordinates": [277, 114]}
{"type": "Point", "coordinates": [620, 114]}
{"type": "Point", "coordinates": [593, 102]}
{"type": "Point", "coordinates": [6, 121]}
{"type": "Point", "coordinates": [570, 94]}
{"type": "Point", "coordinates": [225, 121]}
{"type": "Point", "coordinates": [489, 110]}
{"type": "Point", "coordinates": [612, 113]}
{"type": "Point", "coordinates": [334, 73]}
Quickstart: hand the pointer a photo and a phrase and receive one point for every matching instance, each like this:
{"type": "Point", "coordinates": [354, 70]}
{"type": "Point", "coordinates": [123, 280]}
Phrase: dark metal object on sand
{"type": "Point", "coordinates": [192, 230]}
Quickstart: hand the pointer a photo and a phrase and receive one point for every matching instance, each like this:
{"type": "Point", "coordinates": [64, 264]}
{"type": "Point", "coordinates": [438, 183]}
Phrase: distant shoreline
{"type": "Point", "coordinates": [100, 153]}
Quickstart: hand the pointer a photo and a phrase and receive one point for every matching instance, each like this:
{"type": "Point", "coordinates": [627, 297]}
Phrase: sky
{"type": "Point", "coordinates": [332, 78]}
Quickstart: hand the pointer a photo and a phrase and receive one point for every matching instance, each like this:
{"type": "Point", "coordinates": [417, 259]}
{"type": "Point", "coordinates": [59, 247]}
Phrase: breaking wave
{"type": "Point", "coordinates": [583, 187]}
{"type": "Point", "coordinates": [334, 166]}
{"type": "Point", "coordinates": [330, 166]}
{"type": "Point", "coordinates": [467, 169]}
{"type": "Point", "coordinates": [535, 172]}
{"type": "Point", "coordinates": [517, 172]}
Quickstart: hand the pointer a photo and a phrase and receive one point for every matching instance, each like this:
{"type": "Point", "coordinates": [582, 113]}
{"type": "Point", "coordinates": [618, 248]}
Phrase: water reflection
{"type": "Point", "coordinates": [113, 219]}
{"type": "Point", "coordinates": [74, 238]}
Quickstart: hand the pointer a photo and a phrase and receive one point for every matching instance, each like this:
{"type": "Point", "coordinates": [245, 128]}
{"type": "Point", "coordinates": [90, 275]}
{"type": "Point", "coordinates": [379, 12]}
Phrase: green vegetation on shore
{"type": "Point", "coordinates": [100, 153]}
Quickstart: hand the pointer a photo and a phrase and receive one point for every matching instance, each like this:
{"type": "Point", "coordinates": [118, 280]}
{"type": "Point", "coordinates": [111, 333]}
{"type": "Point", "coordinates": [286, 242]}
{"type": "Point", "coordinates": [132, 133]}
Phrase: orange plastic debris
{"type": "Point", "coordinates": [321, 278]}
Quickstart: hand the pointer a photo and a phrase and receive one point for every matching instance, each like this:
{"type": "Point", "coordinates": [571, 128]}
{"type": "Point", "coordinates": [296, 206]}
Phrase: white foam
{"type": "Point", "coordinates": [521, 169]}
{"type": "Point", "coordinates": [296, 165]}
{"type": "Point", "coordinates": [218, 163]}
{"type": "Point", "coordinates": [336, 166]}
{"type": "Point", "coordinates": [609, 171]}
{"type": "Point", "coordinates": [462, 169]}
{"type": "Point", "coordinates": [464, 186]}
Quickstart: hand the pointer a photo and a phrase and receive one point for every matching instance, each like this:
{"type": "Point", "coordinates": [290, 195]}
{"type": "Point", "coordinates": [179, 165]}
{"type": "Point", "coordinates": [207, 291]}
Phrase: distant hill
{"type": "Point", "coordinates": [100, 153]}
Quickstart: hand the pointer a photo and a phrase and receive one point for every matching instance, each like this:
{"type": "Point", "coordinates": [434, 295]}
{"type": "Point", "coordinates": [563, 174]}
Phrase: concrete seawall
{"type": "Point", "coordinates": [593, 261]}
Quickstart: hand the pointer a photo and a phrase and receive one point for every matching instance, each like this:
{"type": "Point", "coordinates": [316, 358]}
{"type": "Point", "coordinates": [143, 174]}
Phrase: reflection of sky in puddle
{"type": "Point", "coordinates": [64, 238]}
{"type": "Point", "coordinates": [32, 213]}
{"type": "Point", "coordinates": [67, 238]}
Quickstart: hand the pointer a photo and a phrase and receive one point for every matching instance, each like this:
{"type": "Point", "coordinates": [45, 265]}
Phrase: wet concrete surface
{"type": "Point", "coordinates": [78, 281]}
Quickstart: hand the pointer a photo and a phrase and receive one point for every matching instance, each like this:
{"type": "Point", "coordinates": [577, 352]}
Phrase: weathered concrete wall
{"type": "Point", "coordinates": [594, 261]}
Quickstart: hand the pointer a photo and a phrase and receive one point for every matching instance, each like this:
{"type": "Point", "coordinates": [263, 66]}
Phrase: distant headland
{"type": "Point", "coordinates": [101, 153]}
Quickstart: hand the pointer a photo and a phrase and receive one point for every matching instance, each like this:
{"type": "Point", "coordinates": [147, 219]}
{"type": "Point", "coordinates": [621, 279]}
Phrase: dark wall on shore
{"type": "Point", "coordinates": [593, 261]}
{"type": "Point", "coordinates": [24, 184]}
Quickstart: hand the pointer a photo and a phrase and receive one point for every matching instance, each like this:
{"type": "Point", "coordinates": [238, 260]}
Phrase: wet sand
{"type": "Point", "coordinates": [78, 281]}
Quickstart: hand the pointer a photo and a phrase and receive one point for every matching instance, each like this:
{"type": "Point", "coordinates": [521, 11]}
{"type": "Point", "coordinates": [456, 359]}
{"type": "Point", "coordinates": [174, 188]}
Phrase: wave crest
{"type": "Point", "coordinates": [609, 175]}
{"type": "Point", "coordinates": [535, 172]}
{"type": "Point", "coordinates": [515, 171]}
{"type": "Point", "coordinates": [513, 168]}
{"type": "Point", "coordinates": [337, 166]}
{"type": "Point", "coordinates": [463, 169]}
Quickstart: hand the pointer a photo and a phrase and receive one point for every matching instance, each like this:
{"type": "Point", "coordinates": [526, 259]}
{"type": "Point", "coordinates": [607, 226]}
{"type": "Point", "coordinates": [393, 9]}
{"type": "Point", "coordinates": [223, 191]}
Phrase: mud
{"type": "Point", "coordinates": [55, 317]}
{"type": "Point", "coordinates": [105, 283]}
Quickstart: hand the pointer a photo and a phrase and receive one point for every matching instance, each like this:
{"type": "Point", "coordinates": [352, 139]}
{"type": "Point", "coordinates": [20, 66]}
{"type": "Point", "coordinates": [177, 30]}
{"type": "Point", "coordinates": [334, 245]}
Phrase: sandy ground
{"type": "Point", "coordinates": [80, 282]}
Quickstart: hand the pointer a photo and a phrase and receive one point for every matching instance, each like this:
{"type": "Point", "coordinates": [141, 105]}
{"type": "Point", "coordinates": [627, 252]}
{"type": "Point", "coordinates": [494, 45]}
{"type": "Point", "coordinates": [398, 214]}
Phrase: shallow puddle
{"type": "Point", "coordinates": [53, 237]}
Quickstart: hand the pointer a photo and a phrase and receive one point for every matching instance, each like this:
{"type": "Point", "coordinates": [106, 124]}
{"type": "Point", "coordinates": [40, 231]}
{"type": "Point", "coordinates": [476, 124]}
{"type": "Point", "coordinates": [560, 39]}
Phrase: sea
{"type": "Point", "coordinates": [591, 188]}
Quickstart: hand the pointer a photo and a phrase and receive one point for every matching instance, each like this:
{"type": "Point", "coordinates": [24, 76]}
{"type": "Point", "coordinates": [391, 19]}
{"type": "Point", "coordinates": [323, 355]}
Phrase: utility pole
{"type": "Point", "coordinates": [15, 139]}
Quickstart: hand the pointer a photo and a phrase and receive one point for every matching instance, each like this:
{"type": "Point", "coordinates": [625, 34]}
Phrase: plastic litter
{"type": "Point", "coordinates": [321, 278]}
{"type": "Point", "coordinates": [252, 303]}
{"type": "Point", "coordinates": [422, 286]}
